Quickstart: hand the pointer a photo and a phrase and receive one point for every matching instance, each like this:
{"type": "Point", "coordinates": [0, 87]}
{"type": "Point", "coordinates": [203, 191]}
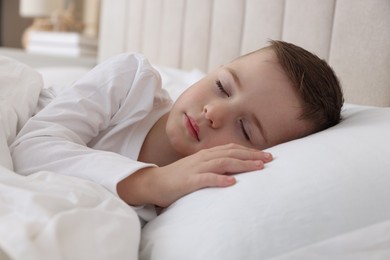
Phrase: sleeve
{"type": "Point", "coordinates": [56, 138]}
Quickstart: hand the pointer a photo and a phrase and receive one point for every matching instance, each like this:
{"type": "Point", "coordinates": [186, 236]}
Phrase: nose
{"type": "Point", "coordinates": [215, 114]}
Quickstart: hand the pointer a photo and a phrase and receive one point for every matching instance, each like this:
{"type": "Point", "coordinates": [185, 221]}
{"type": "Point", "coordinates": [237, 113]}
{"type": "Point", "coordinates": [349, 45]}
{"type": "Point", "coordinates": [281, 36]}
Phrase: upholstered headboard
{"type": "Point", "coordinates": [353, 36]}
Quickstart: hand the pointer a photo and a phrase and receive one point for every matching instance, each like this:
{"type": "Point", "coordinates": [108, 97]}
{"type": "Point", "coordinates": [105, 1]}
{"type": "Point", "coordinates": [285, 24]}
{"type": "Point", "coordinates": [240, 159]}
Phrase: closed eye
{"type": "Point", "coordinates": [221, 88]}
{"type": "Point", "coordinates": [244, 130]}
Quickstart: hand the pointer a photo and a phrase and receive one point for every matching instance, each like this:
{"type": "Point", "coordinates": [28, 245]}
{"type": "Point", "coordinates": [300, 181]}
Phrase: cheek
{"type": "Point", "coordinates": [223, 137]}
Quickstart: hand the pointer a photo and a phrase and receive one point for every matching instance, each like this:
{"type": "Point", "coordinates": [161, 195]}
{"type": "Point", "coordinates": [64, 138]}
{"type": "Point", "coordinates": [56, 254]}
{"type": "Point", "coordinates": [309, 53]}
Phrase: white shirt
{"type": "Point", "coordinates": [95, 128]}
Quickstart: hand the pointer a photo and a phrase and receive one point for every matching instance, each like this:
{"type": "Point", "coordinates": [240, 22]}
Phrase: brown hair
{"type": "Point", "coordinates": [316, 81]}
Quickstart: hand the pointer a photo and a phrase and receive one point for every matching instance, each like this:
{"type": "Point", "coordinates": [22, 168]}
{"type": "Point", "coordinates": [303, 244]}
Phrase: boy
{"type": "Point", "coordinates": [117, 127]}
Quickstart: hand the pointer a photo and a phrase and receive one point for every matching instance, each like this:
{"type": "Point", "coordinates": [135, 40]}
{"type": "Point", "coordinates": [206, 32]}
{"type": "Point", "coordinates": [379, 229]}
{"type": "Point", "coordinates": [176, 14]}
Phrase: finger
{"type": "Point", "coordinates": [238, 153]}
{"type": "Point", "coordinates": [241, 147]}
{"type": "Point", "coordinates": [231, 165]}
{"type": "Point", "coordinates": [231, 146]}
{"type": "Point", "coordinates": [213, 180]}
{"type": "Point", "coordinates": [267, 157]}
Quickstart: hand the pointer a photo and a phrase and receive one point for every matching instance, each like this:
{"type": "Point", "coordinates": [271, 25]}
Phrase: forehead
{"type": "Point", "coordinates": [261, 72]}
{"type": "Point", "coordinates": [258, 62]}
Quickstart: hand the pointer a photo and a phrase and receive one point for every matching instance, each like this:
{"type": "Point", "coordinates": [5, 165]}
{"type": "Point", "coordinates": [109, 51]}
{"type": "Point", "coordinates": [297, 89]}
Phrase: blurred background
{"type": "Point", "coordinates": [14, 20]}
{"type": "Point", "coordinates": [11, 24]}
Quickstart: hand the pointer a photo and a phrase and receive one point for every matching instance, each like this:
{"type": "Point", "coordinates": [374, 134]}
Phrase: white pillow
{"type": "Point", "coordinates": [175, 81]}
{"type": "Point", "coordinates": [20, 86]}
{"type": "Point", "coordinates": [61, 76]}
{"type": "Point", "coordinates": [319, 187]}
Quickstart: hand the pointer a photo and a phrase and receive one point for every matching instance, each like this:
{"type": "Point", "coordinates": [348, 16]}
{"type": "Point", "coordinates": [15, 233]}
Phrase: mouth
{"type": "Point", "coordinates": [192, 127]}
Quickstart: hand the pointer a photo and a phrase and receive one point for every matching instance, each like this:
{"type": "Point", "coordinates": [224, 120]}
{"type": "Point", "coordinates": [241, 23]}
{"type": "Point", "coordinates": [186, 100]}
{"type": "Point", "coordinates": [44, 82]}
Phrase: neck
{"type": "Point", "coordinates": [156, 147]}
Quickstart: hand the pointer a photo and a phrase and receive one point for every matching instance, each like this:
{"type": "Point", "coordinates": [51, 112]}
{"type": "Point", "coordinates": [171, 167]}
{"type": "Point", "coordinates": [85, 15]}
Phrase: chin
{"type": "Point", "coordinates": [178, 147]}
{"type": "Point", "coordinates": [184, 151]}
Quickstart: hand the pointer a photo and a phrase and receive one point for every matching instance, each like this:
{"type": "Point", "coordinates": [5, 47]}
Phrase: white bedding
{"type": "Point", "coordinates": [51, 216]}
{"type": "Point", "coordinates": [46, 215]}
{"type": "Point", "coordinates": [323, 197]}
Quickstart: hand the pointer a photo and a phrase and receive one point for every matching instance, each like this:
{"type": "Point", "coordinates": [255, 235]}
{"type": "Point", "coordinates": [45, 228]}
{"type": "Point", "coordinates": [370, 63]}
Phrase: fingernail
{"type": "Point", "coordinates": [259, 163]}
{"type": "Point", "coordinates": [267, 155]}
{"type": "Point", "coordinates": [231, 180]}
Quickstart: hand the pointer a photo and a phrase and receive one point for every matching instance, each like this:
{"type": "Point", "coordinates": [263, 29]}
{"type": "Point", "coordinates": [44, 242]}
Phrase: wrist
{"type": "Point", "coordinates": [136, 189]}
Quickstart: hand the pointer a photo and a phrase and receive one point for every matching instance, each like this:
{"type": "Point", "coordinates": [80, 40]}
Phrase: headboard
{"type": "Point", "coordinates": [353, 36]}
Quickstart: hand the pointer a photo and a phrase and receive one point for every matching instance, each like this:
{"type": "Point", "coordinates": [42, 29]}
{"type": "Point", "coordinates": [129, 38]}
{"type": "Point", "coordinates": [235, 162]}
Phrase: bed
{"type": "Point", "coordinates": [325, 196]}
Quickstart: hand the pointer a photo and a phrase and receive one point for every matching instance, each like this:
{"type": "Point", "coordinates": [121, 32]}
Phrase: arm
{"type": "Point", "coordinates": [57, 138]}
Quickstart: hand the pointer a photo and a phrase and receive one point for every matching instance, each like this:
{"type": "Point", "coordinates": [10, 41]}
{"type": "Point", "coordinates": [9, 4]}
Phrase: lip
{"type": "Point", "coordinates": [192, 127]}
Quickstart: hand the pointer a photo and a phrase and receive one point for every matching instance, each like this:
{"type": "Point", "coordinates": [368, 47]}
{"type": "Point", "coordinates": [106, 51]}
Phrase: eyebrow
{"type": "Point", "coordinates": [254, 118]}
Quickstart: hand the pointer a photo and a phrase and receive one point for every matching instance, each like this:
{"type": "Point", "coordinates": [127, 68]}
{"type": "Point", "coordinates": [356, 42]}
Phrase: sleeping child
{"type": "Point", "coordinates": [116, 125]}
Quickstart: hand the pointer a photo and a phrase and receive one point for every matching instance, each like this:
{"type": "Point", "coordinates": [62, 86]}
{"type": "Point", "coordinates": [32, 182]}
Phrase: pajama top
{"type": "Point", "coordinates": [95, 128]}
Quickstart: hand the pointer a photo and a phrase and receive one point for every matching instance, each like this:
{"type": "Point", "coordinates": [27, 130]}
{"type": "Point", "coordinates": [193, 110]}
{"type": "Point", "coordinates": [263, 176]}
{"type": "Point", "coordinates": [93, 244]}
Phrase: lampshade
{"type": "Point", "coordinates": [38, 8]}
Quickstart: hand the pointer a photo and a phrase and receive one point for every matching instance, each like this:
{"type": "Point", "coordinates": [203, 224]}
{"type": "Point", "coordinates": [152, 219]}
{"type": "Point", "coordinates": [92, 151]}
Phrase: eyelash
{"type": "Point", "coordinates": [221, 88]}
{"type": "Point", "coordinates": [244, 131]}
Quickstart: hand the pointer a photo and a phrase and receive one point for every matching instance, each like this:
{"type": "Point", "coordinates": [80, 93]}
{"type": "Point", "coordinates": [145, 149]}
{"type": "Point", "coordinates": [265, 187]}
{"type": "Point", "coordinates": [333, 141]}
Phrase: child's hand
{"type": "Point", "coordinates": [162, 186]}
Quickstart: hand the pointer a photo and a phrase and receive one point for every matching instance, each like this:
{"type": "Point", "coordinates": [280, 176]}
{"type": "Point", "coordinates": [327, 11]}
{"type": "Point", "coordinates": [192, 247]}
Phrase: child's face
{"type": "Point", "coordinates": [249, 101]}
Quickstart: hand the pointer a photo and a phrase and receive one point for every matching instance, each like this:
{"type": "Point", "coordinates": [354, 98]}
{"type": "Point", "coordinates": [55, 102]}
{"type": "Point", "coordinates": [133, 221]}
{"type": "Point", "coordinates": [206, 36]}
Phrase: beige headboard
{"type": "Point", "coordinates": [353, 36]}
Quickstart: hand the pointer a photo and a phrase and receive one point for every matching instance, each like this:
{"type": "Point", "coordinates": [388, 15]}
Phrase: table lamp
{"type": "Point", "coordinates": [41, 11]}
{"type": "Point", "coordinates": [38, 8]}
